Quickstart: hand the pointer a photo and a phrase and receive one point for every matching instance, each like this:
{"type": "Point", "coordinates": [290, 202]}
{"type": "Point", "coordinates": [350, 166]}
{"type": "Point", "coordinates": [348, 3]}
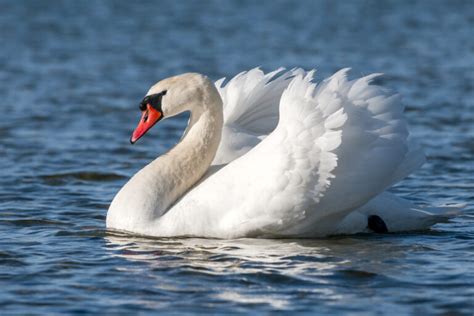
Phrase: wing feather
{"type": "Point", "coordinates": [251, 102]}
{"type": "Point", "coordinates": [360, 145]}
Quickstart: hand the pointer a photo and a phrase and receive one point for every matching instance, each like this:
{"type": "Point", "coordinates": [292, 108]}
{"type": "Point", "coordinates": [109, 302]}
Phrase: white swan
{"type": "Point", "coordinates": [274, 155]}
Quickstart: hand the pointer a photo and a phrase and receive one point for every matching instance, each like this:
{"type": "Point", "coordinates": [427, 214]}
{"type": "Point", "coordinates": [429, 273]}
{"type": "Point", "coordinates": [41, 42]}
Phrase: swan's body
{"type": "Point", "coordinates": [276, 156]}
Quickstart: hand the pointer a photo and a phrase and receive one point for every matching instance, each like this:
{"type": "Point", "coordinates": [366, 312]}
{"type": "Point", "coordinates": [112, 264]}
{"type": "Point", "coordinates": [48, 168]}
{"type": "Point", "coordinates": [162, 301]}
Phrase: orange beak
{"type": "Point", "coordinates": [149, 118]}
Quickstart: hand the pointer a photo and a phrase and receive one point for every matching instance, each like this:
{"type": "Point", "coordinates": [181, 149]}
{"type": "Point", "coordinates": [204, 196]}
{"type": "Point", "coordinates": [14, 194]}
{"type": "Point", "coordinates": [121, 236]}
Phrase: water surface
{"type": "Point", "coordinates": [71, 76]}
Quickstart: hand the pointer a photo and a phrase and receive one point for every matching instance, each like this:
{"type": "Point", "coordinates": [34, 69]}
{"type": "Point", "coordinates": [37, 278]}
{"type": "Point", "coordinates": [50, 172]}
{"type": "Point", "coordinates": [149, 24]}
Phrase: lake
{"type": "Point", "coordinates": [71, 76]}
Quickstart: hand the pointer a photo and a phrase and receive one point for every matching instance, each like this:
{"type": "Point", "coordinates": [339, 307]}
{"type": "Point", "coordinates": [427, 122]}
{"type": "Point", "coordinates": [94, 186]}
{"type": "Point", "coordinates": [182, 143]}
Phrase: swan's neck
{"type": "Point", "coordinates": [189, 160]}
{"type": "Point", "coordinates": [151, 191]}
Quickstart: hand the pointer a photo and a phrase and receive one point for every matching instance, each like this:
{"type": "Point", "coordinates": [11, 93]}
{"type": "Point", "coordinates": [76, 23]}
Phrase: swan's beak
{"type": "Point", "coordinates": [149, 118]}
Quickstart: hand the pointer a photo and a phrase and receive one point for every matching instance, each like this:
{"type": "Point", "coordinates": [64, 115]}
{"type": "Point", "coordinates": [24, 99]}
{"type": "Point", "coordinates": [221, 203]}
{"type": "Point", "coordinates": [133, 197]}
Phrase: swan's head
{"type": "Point", "coordinates": [172, 96]}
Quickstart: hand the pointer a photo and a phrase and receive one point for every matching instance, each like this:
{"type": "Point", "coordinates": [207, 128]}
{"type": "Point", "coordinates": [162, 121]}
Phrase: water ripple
{"type": "Point", "coordinates": [62, 178]}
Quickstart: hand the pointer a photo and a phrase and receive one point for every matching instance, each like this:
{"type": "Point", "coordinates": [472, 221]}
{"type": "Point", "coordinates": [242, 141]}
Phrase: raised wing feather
{"type": "Point", "coordinates": [362, 142]}
{"type": "Point", "coordinates": [250, 102]}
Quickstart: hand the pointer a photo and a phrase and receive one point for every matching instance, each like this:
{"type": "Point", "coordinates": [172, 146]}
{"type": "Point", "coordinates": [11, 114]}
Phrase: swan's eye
{"type": "Point", "coordinates": [143, 104]}
{"type": "Point", "coordinates": [154, 100]}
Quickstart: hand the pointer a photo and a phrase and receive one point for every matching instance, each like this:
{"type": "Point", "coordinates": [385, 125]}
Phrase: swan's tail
{"type": "Point", "coordinates": [397, 214]}
{"type": "Point", "coordinates": [442, 214]}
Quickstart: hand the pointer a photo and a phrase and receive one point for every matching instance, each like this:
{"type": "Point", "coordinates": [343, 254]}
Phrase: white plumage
{"type": "Point", "coordinates": [294, 159]}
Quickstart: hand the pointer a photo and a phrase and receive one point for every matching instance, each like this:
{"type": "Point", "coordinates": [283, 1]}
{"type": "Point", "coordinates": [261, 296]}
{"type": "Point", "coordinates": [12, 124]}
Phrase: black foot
{"type": "Point", "coordinates": [377, 224]}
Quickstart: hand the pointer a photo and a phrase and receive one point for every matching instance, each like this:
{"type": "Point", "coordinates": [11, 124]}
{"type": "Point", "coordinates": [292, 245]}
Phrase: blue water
{"type": "Point", "coordinates": [71, 76]}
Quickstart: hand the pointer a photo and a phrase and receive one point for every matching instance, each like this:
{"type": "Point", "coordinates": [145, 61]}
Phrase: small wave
{"type": "Point", "coordinates": [35, 222]}
{"type": "Point", "coordinates": [10, 259]}
{"type": "Point", "coordinates": [60, 178]}
{"type": "Point", "coordinates": [357, 274]}
{"type": "Point", "coordinates": [84, 232]}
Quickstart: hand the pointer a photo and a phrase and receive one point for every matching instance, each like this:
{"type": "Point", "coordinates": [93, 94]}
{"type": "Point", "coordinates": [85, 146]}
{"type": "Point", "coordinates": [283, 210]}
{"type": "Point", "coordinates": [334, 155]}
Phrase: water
{"type": "Point", "coordinates": [72, 74]}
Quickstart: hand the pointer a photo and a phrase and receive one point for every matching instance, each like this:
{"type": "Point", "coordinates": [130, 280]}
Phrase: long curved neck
{"type": "Point", "coordinates": [189, 160]}
{"type": "Point", "coordinates": [152, 190]}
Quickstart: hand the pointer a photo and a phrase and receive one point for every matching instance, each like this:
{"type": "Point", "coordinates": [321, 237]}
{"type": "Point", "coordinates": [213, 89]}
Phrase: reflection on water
{"type": "Point", "coordinates": [253, 262]}
{"type": "Point", "coordinates": [273, 273]}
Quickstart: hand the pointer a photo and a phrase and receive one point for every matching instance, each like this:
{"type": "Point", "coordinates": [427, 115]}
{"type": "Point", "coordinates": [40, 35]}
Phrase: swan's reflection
{"type": "Point", "coordinates": [312, 266]}
{"type": "Point", "coordinates": [214, 251]}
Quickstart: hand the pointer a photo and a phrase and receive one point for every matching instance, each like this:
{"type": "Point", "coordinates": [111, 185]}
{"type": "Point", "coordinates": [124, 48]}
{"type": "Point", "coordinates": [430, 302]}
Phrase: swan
{"type": "Point", "coordinates": [274, 155]}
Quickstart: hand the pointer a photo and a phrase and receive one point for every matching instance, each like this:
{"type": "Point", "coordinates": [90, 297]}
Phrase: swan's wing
{"type": "Point", "coordinates": [346, 142]}
{"type": "Point", "coordinates": [336, 146]}
{"type": "Point", "coordinates": [359, 134]}
{"type": "Point", "coordinates": [250, 102]}
{"type": "Point", "coordinates": [413, 160]}
{"type": "Point", "coordinates": [373, 151]}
